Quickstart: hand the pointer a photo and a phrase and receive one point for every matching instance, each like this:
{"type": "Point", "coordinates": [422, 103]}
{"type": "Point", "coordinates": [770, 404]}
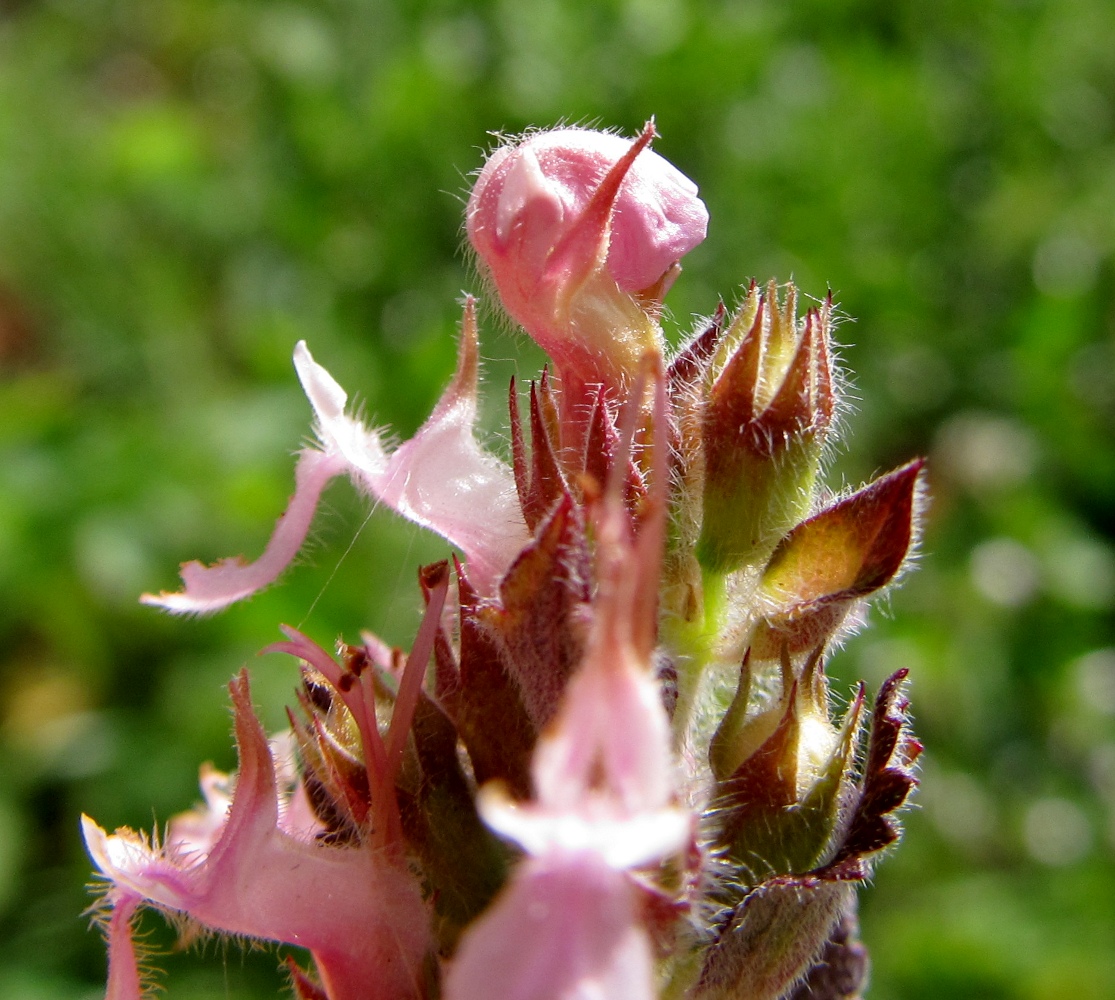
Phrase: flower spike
{"type": "Point", "coordinates": [553, 795]}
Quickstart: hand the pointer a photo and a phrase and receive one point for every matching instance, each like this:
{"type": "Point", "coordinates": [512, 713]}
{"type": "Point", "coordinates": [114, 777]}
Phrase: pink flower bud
{"type": "Point", "coordinates": [534, 193]}
{"type": "Point", "coordinates": [582, 232]}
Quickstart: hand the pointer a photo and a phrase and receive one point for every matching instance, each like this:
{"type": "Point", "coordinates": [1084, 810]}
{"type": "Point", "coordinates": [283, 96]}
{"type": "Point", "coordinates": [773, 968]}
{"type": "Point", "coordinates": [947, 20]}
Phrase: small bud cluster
{"type": "Point", "coordinates": [609, 765]}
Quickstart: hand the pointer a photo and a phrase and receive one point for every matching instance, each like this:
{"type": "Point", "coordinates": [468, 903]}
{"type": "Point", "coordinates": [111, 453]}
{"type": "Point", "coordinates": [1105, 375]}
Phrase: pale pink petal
{"type": "Point", "coordinates": [299, 819]}
{"type": "Point", "coordinates": [529, 207]}
{"type": "Point", "coordinates": [296, 814]}
{"type": "Point", "coordinates": [211, 588]}
{"type": "Point", "coordinates": [603, 774]}
{"type": "Point", "coordinates": [380, 654]}
{"type": "Point", "coordinates": [341, 435]}
{"type": "Point", "coordinates": [441, 478]}
{"type": "Point", "coordinates": [566, 928]}
{"type": "Point", "coordinates": [361, 917]}
{"type": "Point", "coordinates": [612, 720]}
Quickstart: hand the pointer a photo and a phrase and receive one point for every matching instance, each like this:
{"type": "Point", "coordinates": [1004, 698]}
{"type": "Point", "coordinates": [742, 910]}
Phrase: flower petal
{"type": "Point", "coordinates": [211, 588]}
{"type": "Point", "coordinates": [441, 479]}
{"type": "Point", "coordinates": [611, 731]}
{"type": "Point", "coordinates": [361, 917]}
{"type": "Point", "coordinates": [125, 981]}
{"type": "Point", "coordinates": [566, 928]}
{"type": "Point", "coordinates": [193, 834]}
{"type": "Point", "coordinates": [622, 842]}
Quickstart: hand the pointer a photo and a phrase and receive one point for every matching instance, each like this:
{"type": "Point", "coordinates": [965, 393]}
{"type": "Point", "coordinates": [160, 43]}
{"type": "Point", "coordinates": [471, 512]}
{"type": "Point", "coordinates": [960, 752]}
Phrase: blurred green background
{"type": "Point", "coordinates": [189, 186]}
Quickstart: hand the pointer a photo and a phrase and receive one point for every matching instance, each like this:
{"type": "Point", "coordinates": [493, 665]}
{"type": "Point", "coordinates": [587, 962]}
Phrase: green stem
{"type": "Point", "coordinates": [682, 976]}
{"type": "Point", "coordinates": [694, 646]}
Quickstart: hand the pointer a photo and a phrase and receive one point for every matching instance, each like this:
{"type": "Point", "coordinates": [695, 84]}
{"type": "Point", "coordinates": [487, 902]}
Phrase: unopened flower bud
{"type": "Point", "coordinates": [781, 770]}
{"type": "Point", "coordinates": [581, 233]}
{"type": "Point", "coordinates": [768, 414]}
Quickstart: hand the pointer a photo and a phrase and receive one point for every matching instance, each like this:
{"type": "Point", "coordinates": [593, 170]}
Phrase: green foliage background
{"type": "Point", "coordinates": [189, 186]}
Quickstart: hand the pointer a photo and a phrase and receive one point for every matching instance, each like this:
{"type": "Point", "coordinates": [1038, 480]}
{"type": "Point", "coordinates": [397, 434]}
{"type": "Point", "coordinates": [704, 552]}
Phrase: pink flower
{"type": "Point", "coordinates": [582, 232]}
{"type": "Point", "coordinates": [568, 926]}
{"type": "Point", "coordinates": [439, 479]}
{"type": "Point", "coordinates": [565, 929]}
{"type": "Point", "coordinates": [242, 869]}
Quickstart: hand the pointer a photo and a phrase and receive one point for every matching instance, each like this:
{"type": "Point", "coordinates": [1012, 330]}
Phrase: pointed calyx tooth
{"type": "Point", "coordinates": [888, 779]}
{"type": "Point", "coordinates": [804, 402]}
{"type": "Point", "coordinates": [539, 481]}
{"type": "Point", "coordinates": [743, 728]}
{"type": "Point", "coordinates": [777, 382]}
{"type": "Point", "coordinates": [734, 395]}
{"type": "Point", "coordinates": [487, 706]}
{"type": "Point", "coordinates": [688, 378]}
{"type": "Point", "coordinates": [694, 361]}
{"type": "Point", "coordinates": [603, 447]}
{"type": "Point", "coordinates": [537, 620]}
